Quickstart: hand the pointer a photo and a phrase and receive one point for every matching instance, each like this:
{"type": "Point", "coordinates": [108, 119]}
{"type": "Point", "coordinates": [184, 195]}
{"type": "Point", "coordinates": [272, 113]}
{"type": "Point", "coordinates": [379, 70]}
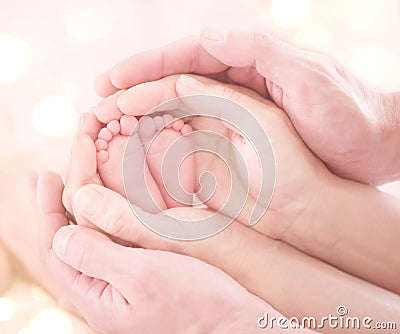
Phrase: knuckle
{"type": "Point", "coordinates": [320, 63]}
{"type": "Point", "coordinates": [112, 224]}
{"type": "Point", "coordinates": [257, 38]}
{"type": "Point", "coordinates": [83, 260]}
{"type": "Point", "coordinates": [115, 224]}
{"type": "Point", "coordinates": [225, 91]}
{"type": "Point", "coordinates": [260, 40]}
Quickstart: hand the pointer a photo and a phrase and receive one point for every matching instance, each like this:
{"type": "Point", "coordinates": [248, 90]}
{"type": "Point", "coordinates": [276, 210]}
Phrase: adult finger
{"type": "Point", "coordinates": [273, 122]}
{"type": "Point", "coordinates": [96, 256]}
{"type": "Point", "coordinates": [182, 56]}
{"type": "Point", "coordinates": [141, 99]}
{"type": "Point", "coordinates": [107, 109]}
{"type": "Point", "coordinates": [49, 206]}
{"type": "Point", "coordinates": [51, 213]}
{"type": "Point", "coordinates": [268, 115]}
{"type": "Point", "coordinates": [77, 288]}
{"type": "Point", "coordinates": [88, 251]}
{"type": "Point", "coordinates": [276, 60]}
{"type": "Point", "coordinates": [103, 85]}
{"type": "Point", "coordinates": [89, 124]}
{"type": "Point", "coordinates": [111, 212]}
{"type": "Point", "coordinates": [82, 169]}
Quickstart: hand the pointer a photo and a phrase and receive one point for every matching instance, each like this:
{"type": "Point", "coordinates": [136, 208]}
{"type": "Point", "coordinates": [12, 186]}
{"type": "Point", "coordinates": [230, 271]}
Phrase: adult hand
{"type": "Point", "coordinates": [354, 130]}
{"type": "Point", "coordinates": [311, 209]}
{"type": "Point", "coordinates": [238, 250]}
{"type": "Point", "coordinates": [265, 267]}
{"type": "Point", "coordinates": [120, 289]}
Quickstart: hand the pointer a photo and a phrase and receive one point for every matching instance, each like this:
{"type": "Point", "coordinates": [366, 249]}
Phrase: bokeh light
{"type": "Point", "coordinates": [7, 309]}
{"type": "Point", "coordinates": [54, 116]}
{"type": "Point", "coordinates": [51, 321]}
{"type": "Point", "coordinates": [291, 13]}
{"type": "Point", "coordinates": [62, 45]}
{"type": "Point", "coordinates": [13, 58]}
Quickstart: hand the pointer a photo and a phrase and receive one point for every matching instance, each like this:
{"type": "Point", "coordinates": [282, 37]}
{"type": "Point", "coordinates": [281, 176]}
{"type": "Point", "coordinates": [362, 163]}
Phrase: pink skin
{"type": "Point", "coordinates": [19, 232]}
{"type": "Point", "coordinates": [294, 215]}
{"type": "Point", "coordinates": [163, 139]}
{"type": "Point", "coordinates": [321, 98]}
{"type": "Point", "coordinates": [76, 257]}
{"type": "Point", "coordinates": [145, 158]}
{"type": "Point", "coordinates": [110, 160]}
{"type": "Point", "coordinates": [276, 262]}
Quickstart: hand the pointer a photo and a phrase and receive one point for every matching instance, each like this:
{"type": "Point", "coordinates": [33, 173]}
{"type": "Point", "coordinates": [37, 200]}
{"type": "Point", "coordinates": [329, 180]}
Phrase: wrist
{"type": "Point", "coordinates": [246, 318]}
{"type": "Point", "coordinates": [355, 212]}
{"type": "Point", "coordinates": [311, 230]}
{"type": "Point", "coordinates": [232, 309]}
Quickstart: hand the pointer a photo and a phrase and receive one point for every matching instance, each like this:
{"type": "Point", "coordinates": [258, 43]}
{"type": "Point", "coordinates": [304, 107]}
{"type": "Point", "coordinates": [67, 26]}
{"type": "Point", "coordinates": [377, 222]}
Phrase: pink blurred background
{"type": "Point", "coordinates": [51, 50]}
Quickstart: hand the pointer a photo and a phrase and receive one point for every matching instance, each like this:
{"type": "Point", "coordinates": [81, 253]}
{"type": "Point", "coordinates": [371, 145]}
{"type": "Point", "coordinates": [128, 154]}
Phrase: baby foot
{"type": "Point", "coordinates": [253, 166]}
{"type": "Point", "coordinates": [234, 177]}
{"type": "Point", "coordinates": [166, 146]}
{"type": "Point", "coordinates": [113, 155]}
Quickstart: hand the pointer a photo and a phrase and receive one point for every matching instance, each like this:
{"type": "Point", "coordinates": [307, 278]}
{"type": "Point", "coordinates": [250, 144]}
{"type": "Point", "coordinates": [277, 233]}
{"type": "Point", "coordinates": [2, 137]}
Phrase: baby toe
{"type": "Point", "coordinates": [159, 122]}
{"type": "Point", "coordinates": [187, 128]}
{"type": "Point", "coordinates": [168, 120]}
{"type": "Point", "coordinates": [102, 156]}
{"type": "Point", "coordinates": [101, 144]}
{"type": "Point", "coordinates": [128, 124]}
{"type": "Point", "coordinates": [147, 128]}
{"type": "Point", "coordinates": [114, 127]}
{"type": "Point", "coordinates": [105, 134]}
{"type": "Point", "coordinates": [178, 125]}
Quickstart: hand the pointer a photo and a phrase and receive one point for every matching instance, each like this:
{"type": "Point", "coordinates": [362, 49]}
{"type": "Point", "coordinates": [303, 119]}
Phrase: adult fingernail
{"type": "Point", "coordinates": [215, 35]}
{"type": "Point", "coordinates": [89, 201]}
{"type": "Point", "coordinates": [61, 238]}
{"type": "Point", "coordinates": [191, 83]}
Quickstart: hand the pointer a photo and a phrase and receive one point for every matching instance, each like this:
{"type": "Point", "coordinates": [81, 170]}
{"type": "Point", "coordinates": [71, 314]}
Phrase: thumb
{"type": "Point", "coordinates": [273, 58]}
{"type": "Point", "coordinates": [99, 279]}
{"type": "Point", "coordinates": [263, 110]}
{"type": "Point", "coordinates": [194, 84]}
{"type": "Point", "coordinates": [87, 251]}
{"type": "Point", "coordinates": [111, 213]}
